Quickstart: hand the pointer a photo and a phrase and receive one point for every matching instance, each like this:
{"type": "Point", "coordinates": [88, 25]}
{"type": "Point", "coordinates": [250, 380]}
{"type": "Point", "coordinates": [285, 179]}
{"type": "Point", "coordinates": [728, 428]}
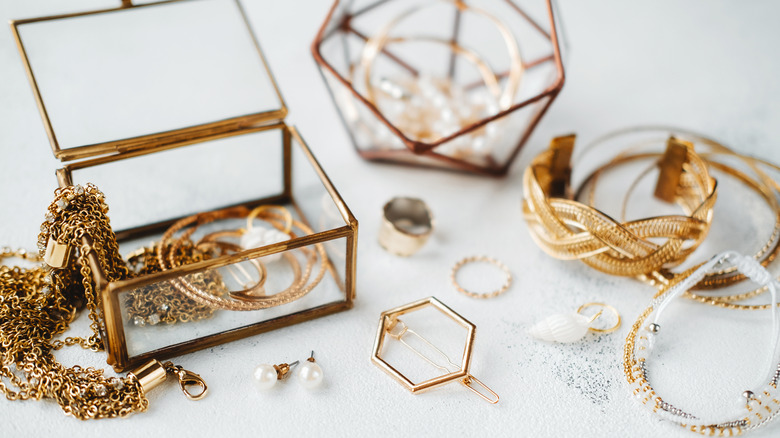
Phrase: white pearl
{"type": "Point", "coordinates": [309, 375]}
{"type": "Point", "coordinates": [260, 236]}
{"type": "Point", "coordinates": [479, 143]}
{"type": "Point", "coordinates": [264, 377]}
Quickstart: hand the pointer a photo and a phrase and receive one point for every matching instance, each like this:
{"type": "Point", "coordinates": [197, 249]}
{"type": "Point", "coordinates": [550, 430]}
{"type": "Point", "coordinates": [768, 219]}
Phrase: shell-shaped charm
{"type": "Point", "coordinates": [561, 328]}
{"type": "Point", "coordinates": [260, 236]}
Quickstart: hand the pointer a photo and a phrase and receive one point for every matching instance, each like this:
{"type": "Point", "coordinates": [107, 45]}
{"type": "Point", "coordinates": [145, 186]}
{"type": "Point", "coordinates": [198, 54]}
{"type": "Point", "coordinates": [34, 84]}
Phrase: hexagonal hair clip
{"type": "Point", "coordinates": [391, 326]}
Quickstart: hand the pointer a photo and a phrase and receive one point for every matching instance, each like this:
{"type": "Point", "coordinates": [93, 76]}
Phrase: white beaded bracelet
{"type": "Point", "coordinates": [762, 404]}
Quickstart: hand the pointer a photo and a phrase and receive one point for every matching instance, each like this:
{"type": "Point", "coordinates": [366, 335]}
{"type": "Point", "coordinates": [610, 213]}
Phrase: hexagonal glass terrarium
{"type": "Point", "coordinates": [441, 83]}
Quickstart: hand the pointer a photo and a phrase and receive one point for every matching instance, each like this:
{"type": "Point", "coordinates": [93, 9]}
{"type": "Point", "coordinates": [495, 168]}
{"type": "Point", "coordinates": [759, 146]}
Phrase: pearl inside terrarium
{"type": "Point", "coordinates": [428, 108]}
{"type": "Point", "coordinates": [260, 236]}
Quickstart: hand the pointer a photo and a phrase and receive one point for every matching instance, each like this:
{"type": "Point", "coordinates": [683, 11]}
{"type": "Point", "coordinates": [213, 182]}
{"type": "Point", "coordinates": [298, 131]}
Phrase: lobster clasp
{"type": "Point", "coordinates": [191, 384]}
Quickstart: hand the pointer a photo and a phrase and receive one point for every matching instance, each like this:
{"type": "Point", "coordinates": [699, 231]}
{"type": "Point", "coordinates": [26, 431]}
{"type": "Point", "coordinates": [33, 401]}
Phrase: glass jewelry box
{"type": "Point", "coordinates": [171, 110]}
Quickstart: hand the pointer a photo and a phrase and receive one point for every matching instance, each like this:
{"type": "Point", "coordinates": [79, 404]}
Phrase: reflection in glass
{"type": "Point", "coordinates": [173, 311]}
{"type": "Point", "coordinates": [146, 70]}
{"type": "Point", "coordinates": [183, 181]}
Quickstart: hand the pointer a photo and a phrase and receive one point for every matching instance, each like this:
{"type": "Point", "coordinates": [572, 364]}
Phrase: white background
{"type": "Point", "coordinates": [711, 66]}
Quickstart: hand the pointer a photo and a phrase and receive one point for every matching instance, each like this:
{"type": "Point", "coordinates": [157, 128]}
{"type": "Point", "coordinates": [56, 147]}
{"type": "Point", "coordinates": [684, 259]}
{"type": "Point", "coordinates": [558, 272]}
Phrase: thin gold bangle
{"type": "Point", "coordinates": [288, 219]}
{"type": "Point", "coordinates": [245, 302]}
{"type": "Point", "coordinates": [257, 291]}
{"type": "Point", "coordinates": [186, 288]}
{"type": "Point", "coordinates": [481, 258]}
{"type": "Point", "coordinates": [605, 306]}
{"type": "Point", "coordinates": [378, 42]}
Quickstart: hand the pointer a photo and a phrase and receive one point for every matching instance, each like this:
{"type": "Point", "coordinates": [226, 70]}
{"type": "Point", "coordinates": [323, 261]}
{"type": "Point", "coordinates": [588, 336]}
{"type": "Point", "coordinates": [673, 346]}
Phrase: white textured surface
{"type": "Point", "coordinates": [707, 65]}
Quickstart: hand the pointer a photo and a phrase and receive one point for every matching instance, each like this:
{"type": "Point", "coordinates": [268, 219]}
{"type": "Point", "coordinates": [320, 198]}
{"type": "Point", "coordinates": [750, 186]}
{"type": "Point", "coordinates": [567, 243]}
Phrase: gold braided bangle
{"type": "Point", "coordinates": [725, 277]}
{"type": "Point", "coordinates": [717, 157]}
{"type": "Point", "coordinates": [567, 229]}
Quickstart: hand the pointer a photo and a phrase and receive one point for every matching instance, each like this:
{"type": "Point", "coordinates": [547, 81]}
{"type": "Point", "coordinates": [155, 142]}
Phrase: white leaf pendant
{"type": "Point", "coordinates": [561, 328]}
{"type": "Point", "coordinates": [260, 236]}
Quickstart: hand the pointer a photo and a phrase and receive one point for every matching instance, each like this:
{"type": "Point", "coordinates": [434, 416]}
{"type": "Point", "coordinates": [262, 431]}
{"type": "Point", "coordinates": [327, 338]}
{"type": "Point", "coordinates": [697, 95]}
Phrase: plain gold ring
{"type": "Point", "coordinates": [603, 306]}
{"type": "Point", "coordinates": [407, 223]}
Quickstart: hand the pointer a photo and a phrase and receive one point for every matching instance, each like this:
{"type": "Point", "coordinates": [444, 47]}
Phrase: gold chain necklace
{"type": "Point", "coordinates": [39, 303]}
{"type": "Point", "coordinates": [162, 303]}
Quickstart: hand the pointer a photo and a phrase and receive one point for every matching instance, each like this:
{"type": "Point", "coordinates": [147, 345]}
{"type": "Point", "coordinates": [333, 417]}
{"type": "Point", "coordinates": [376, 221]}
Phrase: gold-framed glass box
{"type": "Point", "coordinates": [171, 110]}
{"type": "Point", "coordinates": [454, 84]}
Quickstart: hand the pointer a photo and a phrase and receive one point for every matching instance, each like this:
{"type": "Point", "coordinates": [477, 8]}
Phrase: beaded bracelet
{"type": "Point", "coordinates": [761, 404]}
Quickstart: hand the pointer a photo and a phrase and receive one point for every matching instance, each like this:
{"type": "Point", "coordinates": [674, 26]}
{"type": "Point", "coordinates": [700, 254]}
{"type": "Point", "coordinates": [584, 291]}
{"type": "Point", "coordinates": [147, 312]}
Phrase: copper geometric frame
{"type": "Point", "coordinates": [419, 153]}
{"type": "Point", "coordinates": [388, 318]}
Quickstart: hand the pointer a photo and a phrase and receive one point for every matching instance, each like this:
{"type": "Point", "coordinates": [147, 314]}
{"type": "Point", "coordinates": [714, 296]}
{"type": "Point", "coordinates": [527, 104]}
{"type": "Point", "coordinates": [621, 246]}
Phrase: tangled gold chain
{"type": "Point", "coordinates": [161, 302]}
{"type": "Point", "coordinates": [38, 304]}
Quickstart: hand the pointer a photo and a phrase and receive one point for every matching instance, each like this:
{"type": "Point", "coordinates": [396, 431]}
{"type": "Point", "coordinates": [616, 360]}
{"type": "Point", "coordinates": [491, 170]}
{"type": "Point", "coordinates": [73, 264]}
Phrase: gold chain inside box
{"type": "Point", "coordinates": [224, 146]}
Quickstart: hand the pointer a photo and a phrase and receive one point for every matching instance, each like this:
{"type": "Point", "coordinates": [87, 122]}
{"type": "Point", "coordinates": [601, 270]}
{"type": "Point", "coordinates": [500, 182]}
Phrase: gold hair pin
{"type": "Point", "coordinates": [391, 326]}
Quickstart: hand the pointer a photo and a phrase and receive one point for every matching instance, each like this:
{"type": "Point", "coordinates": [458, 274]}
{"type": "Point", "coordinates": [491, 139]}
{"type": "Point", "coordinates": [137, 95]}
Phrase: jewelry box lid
{"type": "Point", "coordinates": [143, 76]}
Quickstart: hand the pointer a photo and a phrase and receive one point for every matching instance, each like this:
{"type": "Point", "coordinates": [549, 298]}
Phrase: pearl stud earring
{"type": "Point", "coordinates": [265, 376]}
{"type": "Point", "coordinates": [309, 373]}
